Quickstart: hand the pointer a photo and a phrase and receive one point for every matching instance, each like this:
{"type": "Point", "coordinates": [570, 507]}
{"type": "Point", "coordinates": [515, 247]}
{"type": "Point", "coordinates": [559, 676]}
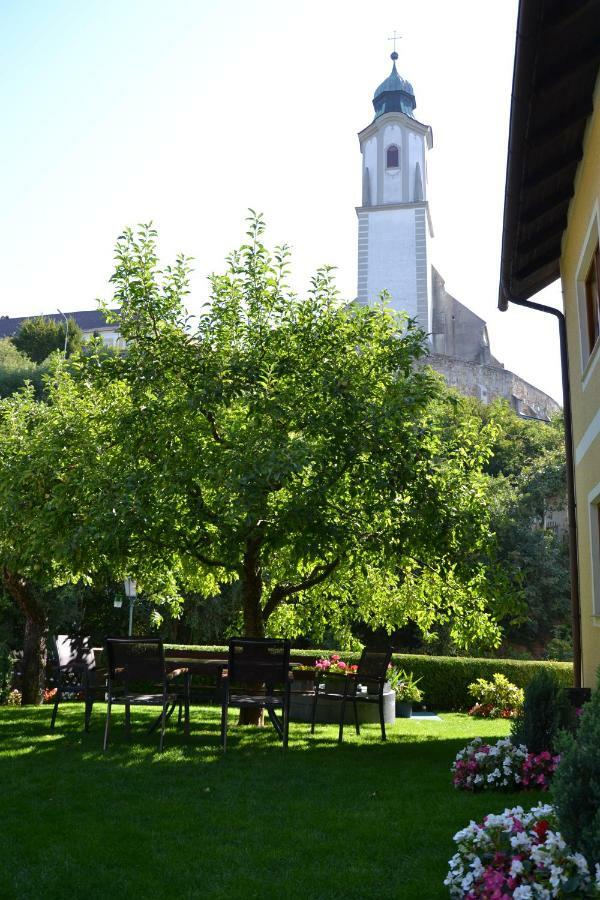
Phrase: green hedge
{"type": "Point", "coordinates": [445, 679]}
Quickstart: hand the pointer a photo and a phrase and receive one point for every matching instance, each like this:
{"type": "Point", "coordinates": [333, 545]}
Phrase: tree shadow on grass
{"type": "Point", "coordinates": [364, 819]}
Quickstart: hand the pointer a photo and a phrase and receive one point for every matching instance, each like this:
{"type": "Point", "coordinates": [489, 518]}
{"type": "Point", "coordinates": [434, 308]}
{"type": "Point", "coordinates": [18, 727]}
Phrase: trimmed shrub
{"type": "Point", "coordinates": [545, 712]}
{"type": "Point", "coordinates": [495, 699]}
{"type": "Point", "coordinates": [446, 679]}
{"type": "Point", "coordinates": [576, 785]}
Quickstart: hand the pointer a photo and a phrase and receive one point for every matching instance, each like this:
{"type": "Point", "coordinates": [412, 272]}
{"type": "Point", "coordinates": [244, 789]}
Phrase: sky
{"type": "Point", "coordinates": [188, 112]}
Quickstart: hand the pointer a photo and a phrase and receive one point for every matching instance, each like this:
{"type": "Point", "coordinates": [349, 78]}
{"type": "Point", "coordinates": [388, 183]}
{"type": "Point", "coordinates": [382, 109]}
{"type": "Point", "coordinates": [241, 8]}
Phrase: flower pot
{"type": "Point", "coordinates": [335, 684]}
{"type": "Point", "coordinates": [403, 710]}
{"type": "Point", "coordinates": [304, 682]}
{"type": "Point", "coordinates": [373, 689]}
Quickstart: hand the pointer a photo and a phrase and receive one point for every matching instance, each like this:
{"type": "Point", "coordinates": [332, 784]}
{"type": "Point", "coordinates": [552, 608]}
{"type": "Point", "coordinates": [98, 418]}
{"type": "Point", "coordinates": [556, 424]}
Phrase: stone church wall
{"type": "Point", "coordinates": [489, 383]}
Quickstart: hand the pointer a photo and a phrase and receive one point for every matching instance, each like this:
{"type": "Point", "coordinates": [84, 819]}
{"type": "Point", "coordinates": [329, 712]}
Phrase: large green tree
{"type": "Point", "coordinates": [287, 446]}
{"type": "Point", "coordinates": [291, 446]}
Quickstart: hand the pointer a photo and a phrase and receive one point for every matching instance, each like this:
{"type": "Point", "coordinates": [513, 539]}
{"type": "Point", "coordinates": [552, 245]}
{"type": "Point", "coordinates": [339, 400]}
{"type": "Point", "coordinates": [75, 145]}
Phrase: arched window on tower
{"type": "Point", "coordinates": [392, 157]}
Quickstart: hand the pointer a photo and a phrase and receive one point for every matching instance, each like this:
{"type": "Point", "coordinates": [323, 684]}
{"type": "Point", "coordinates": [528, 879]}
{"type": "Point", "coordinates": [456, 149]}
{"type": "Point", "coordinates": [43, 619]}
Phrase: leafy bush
{"type": "Point", "coordinates": [495, 699]}
{"type": "Point", "coordinates": [15, 369]}
{"type": "Point", "coordinates": [577, 783]}
{"type": "Point", "coordinates": [545, 712]}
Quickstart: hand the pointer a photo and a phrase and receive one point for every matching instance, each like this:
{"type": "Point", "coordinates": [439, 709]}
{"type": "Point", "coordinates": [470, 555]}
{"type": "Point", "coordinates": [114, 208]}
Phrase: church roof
{"type": "Point", "coordinates": [395, 94]}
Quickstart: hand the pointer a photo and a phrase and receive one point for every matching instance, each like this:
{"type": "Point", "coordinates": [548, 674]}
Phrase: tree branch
{"type": "Point", "coordinates": [195, 492]}
{"type": "Point", "coordinates": [283, 590]}
{"type": "Point", "coordinates": [213, 427]}
{"type": "Point", "coordinates": [194, 550]}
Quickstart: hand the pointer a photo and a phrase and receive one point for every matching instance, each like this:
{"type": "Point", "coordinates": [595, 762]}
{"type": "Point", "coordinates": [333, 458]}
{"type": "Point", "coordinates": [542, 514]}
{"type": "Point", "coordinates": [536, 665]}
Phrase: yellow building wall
{"type": "Point", "coordinates": [581, 236]}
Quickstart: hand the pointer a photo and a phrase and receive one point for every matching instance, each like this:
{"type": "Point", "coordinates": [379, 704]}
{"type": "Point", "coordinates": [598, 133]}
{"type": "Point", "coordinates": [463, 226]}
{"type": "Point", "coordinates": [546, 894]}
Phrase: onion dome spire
{"type": "Point", "coordinates": [395, 94]}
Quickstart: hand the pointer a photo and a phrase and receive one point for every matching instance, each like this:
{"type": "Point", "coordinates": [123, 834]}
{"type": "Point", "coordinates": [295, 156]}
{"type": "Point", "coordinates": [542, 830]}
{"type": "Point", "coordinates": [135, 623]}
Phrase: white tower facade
{"type": "Point", "coordinates": [394, 225]}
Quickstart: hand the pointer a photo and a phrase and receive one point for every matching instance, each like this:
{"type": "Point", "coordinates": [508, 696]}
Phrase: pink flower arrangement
{"type": "Point", "coordinates": [538, 770]}
{"type": "Point", "coordinates": [480, 766]}
{"type": "Point", "coordinates": [518, 855]}
{"type": "Point", "coordinates": [335, 665]}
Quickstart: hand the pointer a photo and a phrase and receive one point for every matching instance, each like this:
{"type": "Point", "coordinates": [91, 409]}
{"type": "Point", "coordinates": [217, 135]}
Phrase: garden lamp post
{"type": "Point", "coordinates": [66, 329]}
{"type": "Point", "coordinates": [130, 592]}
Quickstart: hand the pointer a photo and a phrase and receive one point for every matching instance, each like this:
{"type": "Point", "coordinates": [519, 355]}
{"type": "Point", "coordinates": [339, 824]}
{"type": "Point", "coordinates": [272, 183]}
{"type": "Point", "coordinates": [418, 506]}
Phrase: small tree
{"type": "Point", "coordinates": [40, 336]}
{"type": "Point", "coordinates": [576, 785]}
{"type": "Point", "coordinates": [62, 506]}
{"type": "Point", "coordinates": [53, 484]}
{"type": "Point", "coordinates": [544, 714]}
{"type": "Point", "coordinates": [26, 565]}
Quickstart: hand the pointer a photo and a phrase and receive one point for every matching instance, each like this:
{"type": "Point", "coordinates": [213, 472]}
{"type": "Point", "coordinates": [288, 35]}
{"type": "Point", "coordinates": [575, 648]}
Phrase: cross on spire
{"type": "Point", "coordinates": [396, 37]}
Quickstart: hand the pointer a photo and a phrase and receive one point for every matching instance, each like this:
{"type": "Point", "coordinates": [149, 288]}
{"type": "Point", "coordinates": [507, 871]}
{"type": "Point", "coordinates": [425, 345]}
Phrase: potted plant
{"type": "Point", "coordinates": [406, 689]}
{"type": "Point", "coordinates": [334, 671]}
{"type": "Point", "coordinates": [304, 677]}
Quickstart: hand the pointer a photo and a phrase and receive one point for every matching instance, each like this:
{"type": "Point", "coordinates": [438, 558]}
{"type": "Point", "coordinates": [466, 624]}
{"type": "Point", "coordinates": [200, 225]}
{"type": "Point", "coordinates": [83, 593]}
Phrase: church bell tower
{"type": "Point", "coordinates": [394, 226]}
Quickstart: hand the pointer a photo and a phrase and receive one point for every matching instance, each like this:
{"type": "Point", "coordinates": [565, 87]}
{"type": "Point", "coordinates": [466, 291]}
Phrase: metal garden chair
{"type": "Point", "coordinates": [137, 677]}
{"type": "Point", "coordinates": [258, 675]}
{"type": "Point", "coordinates": [372, 672]}
{"type": "Point", "coordinates": [76, 674]}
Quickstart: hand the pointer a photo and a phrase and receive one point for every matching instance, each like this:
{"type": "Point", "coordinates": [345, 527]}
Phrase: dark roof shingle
{"type": "Point", "coordinates": [87, 319]}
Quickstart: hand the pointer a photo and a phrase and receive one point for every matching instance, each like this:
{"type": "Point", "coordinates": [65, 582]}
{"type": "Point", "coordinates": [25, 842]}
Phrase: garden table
{"type": "Point", "coordinates": [190, 662]}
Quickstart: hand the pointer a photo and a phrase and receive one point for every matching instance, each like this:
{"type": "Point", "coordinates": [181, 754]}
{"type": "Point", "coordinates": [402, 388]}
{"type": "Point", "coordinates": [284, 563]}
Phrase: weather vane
{"type": "Point", "coordinates": [396, 37]}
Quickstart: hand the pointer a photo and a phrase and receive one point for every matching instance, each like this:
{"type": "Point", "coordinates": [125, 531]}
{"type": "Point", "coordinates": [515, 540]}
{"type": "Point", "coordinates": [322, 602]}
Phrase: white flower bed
{"type": "Point", "coordinates": [479, 765]}
{"type": "Point", "coordinates": [518, 855]}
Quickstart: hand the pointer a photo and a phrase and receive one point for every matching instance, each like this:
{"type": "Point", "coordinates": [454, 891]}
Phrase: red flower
{"type": "Point", "coordinates": [541, 829]}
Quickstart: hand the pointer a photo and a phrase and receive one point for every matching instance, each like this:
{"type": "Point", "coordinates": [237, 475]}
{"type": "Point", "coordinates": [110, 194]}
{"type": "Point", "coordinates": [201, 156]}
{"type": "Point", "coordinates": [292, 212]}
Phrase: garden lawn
{"type": "Point", "coordinates": [365, 820]}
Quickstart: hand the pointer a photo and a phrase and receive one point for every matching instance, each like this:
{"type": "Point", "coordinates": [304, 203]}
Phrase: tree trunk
{"type": "Point", "coordinates": [254, 626]}
{"type": "Point", "coordinates": [34, 663]}
{"type": "Point", "coordinates": [34, 643]}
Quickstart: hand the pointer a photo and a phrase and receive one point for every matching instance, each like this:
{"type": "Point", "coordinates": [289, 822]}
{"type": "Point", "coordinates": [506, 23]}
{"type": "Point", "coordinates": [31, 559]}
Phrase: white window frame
{"type": "Point", "coordinates": [594, 521]}
{"type": "Point", "coordinates": [399, 149]}
{"type": "Point", "coordinates": [589, 359]}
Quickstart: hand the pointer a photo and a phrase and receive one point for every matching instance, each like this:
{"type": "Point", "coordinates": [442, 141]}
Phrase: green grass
{"type": "Point", "coordinates": [364, 820]}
